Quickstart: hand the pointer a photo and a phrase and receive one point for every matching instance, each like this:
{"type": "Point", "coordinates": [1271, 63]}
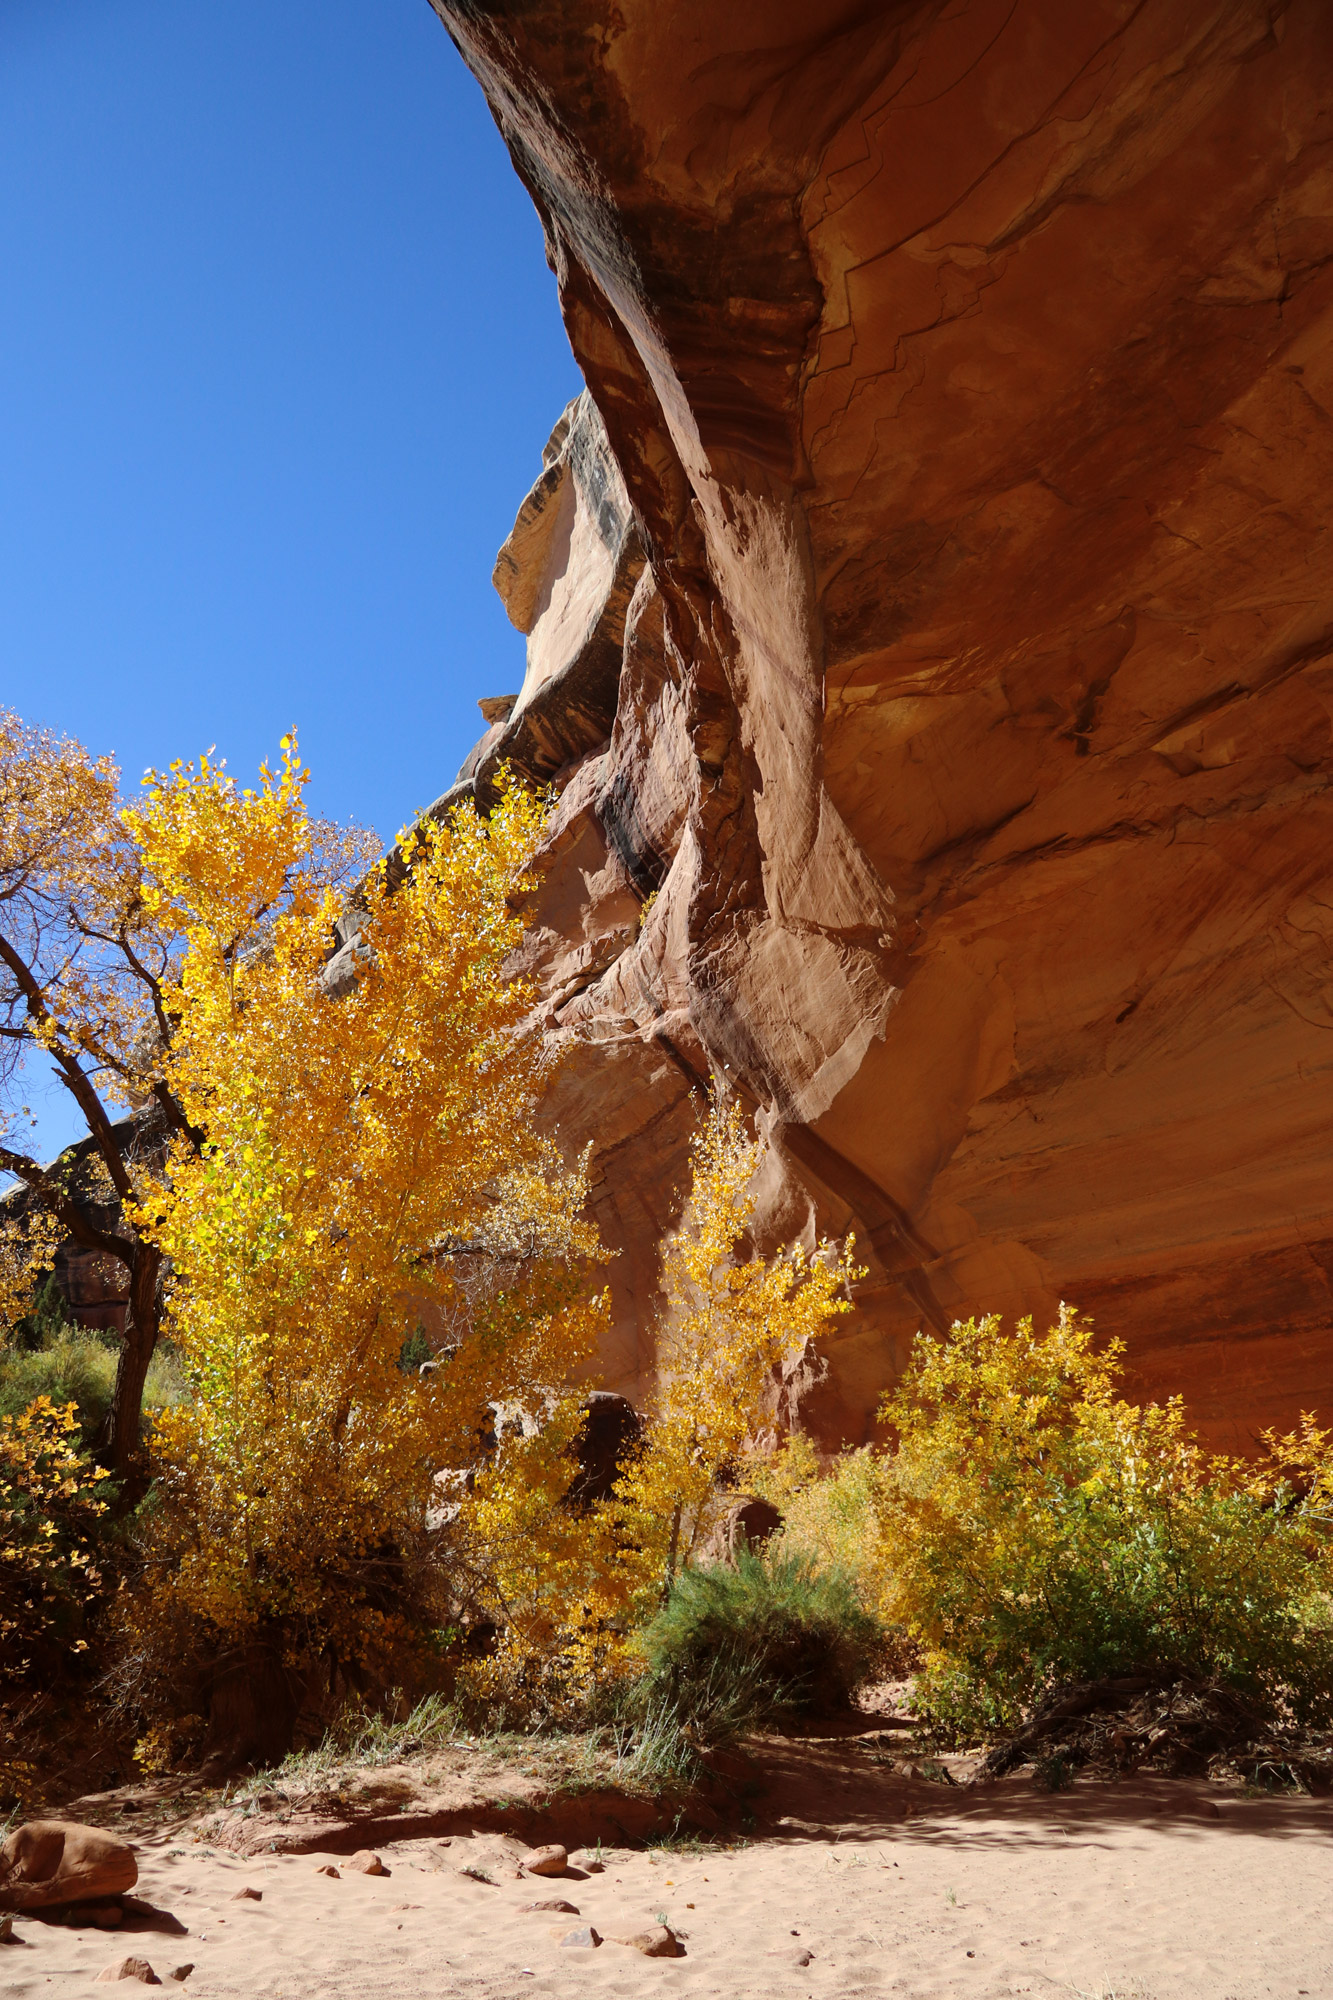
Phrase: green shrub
{"type": "Point", "coordinates": [732, 1649]}
{"type": "Point", "coordinates": [46, 1317]}
{"type": "Point", "coordinates": [1035, 1528]}
{"type": "Point", "coordinates": [77, 1366]}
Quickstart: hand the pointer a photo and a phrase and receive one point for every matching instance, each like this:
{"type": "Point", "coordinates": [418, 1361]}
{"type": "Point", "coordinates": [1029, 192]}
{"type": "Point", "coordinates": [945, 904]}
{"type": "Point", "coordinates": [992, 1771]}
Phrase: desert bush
{"type": "Point", "coordinates": [829, 1509]}
{"type": "Point", "coordinates": [734, 1648]}
{"type": "Point", "coordinates": [51, 1504]}
{"type": "Point", "coordinates": [1035, 1527]}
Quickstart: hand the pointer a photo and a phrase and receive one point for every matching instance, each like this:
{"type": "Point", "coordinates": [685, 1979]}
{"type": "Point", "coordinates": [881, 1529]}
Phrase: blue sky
{"type": "Point", "coordinates": [278, 354]}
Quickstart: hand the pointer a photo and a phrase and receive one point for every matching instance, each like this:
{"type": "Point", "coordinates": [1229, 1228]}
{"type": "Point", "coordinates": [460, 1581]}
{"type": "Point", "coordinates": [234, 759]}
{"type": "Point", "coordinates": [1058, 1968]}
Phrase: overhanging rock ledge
{"type": "Point", "coordinates": [930, 629]}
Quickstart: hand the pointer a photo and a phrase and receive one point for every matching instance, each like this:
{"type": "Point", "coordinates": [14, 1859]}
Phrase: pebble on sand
{"type": "Point", "coordinates": [546, 1861]}
{"type": "Point", "coordinates": [367, 1863]}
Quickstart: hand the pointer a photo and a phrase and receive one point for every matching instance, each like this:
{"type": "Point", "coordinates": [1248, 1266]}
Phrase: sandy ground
{"type": "Point", "coordinates": [1150, 1889]}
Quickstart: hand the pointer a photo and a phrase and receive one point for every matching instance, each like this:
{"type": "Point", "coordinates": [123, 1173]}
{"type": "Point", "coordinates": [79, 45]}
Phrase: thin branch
{"type": "Point", "coordinates": [71, 1075]}
{"type": "Point", "coordinates": [65, 1209]}
{"type": "Point", "coordinates": [141, 972]}
{"type": "Point", "coordinates": [177, 1118]}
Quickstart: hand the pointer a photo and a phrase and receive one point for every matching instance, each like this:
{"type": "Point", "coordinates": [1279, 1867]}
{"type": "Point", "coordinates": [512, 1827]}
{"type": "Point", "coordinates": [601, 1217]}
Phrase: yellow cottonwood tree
{"type": "Point", "coordinates": [371, 1172]}
{"type": "Point", "coordinates": [89, 948]}
{"type": "Point", "coordinates": [570, 1586]}
{"type": "Point", "coordinates": [733, 1324]}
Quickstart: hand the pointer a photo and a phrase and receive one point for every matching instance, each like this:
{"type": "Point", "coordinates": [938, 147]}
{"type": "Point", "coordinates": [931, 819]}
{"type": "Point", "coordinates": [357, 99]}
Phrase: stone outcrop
{"type": "Point", "coordinates": [50, 1862]}
{"type": "Point", "coordinates": [930, 631]}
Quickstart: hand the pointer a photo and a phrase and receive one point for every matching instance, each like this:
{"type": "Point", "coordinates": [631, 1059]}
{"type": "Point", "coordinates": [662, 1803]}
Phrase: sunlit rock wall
{"type": "Point", "coordinates": [930, 627]}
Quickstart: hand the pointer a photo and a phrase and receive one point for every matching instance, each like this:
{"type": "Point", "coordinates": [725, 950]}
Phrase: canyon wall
{"type": "Point", "coordinates": [930, 633]}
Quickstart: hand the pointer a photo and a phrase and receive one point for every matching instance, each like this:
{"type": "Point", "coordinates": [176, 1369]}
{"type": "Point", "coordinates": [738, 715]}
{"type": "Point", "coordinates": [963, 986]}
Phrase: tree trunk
{"type": "Point", "coordinates": [118, 1439]}
{"type": "Point", "coordinates": [672, 1553]}
{"type": "Point", "coordinates": [253, 1699]}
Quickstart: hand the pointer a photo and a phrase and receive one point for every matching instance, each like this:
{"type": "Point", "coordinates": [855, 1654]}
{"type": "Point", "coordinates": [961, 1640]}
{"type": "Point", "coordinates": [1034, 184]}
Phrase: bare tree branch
{"type": "Point", "coordinates": [66, 1208]}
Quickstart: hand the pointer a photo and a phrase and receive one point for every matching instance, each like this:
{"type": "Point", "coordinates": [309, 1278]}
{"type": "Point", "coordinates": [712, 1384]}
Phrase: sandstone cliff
{"type": "Point", "coordinates": [930, 626]}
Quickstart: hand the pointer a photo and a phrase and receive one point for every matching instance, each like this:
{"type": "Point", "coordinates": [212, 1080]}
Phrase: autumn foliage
{"type": "Point", "coordinates": [1028, 1525]}
{"type": "Point", "coordinates": [91, 945]}
{"type": "Point", "coordinates": [372, 1174]}
{"type": "Point", "coordinates": [51, 1503]}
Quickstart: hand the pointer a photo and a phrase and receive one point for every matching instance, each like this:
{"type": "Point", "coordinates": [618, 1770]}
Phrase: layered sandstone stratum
{"type": "Point", "coordinates": [930, 628]}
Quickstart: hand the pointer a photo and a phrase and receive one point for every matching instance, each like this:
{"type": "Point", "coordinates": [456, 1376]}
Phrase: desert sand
{"type": "Point", "coordinates": [1149, 1888]}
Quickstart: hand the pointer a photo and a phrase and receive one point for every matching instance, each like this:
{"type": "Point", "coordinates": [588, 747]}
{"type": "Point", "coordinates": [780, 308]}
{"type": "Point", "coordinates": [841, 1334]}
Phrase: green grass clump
{"type": "Point", "coordinates": [734, 1649]}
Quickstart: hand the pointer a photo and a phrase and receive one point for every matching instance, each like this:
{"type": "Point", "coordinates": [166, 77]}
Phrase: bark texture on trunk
{"type": "Point", "coordinates": [118, 1444]}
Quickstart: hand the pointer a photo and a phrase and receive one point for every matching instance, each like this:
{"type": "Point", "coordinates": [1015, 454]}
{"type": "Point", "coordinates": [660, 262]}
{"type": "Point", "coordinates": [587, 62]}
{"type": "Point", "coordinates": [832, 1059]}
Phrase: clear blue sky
{"type": "Point", "coordinates": [278, 354]}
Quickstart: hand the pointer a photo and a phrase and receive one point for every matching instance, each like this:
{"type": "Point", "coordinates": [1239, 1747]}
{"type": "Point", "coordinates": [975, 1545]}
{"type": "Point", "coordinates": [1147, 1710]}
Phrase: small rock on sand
{"type": "Point", "coordinates": [182, 1972]}
{"type": "Point", "coordinates": [7, 1931]}
{"type": "Point", "coordinates": [129, 1968]}
{"type": "Point", "coordinates": [367, 1863]}
{"type": "Point", "coordinates": [248, 1896]}
{"type": "Point", "coordinates": [556, 1904]}
{"type": "Point", "coordinates": [584, 1938]}
{"type": "Point", "coordinates": [658, 1941]}
{"type": "Point", "coordinates": [546, 1861]}
{"type": "Point", "coordinates": [329, 1869]}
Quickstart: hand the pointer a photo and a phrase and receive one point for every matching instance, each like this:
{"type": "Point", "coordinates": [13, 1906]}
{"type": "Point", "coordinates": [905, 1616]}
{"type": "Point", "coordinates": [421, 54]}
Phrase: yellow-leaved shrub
{"type": "Point", "coordinates": [569, 1587]}
{"type": "Point", "coordinates": [1032, 1526]}
{"type": "Point", "coordinates": [51, 1500]}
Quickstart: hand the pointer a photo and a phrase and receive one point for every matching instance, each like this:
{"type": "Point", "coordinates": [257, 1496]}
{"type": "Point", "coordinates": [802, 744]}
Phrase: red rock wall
{"type": "Point", "coordinates": [962, 551]}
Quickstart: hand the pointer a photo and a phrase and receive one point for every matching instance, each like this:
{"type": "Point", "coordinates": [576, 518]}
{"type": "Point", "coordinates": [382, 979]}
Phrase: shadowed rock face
{"type": "Point", "coordinates": [939, 574]}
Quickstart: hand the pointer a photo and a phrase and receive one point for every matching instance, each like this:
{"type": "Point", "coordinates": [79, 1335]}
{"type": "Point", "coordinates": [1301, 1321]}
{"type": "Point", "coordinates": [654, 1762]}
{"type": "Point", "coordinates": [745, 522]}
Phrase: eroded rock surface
{"type": "Point", "coordinates": [930, 621]}
{"type": "Point", "coordinates": [49, 1862]}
